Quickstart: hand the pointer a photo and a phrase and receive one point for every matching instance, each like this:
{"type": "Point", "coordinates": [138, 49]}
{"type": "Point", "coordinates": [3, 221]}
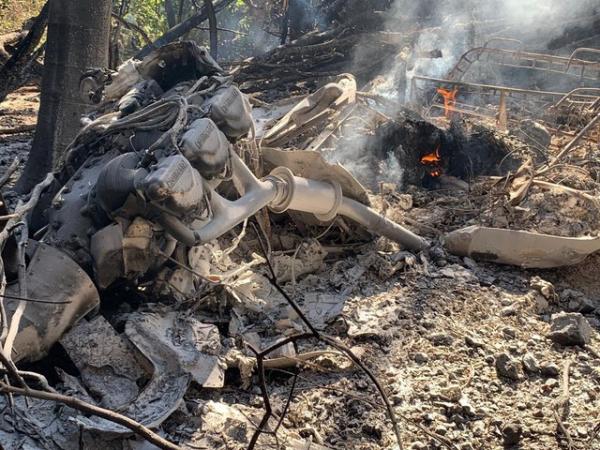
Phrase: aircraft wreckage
{"type": "Point", "coordinates": [154, 175]}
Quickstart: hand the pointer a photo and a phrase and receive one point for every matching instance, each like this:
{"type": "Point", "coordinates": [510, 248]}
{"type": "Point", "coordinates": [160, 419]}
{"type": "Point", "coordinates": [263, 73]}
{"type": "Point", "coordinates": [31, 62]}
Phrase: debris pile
{"type": "Point", "coordinates": [201, 273]}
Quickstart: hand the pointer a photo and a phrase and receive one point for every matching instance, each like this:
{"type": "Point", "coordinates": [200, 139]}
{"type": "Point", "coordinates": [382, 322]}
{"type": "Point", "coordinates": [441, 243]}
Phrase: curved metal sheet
{"type": "Point", "coordinates": [55, 278]}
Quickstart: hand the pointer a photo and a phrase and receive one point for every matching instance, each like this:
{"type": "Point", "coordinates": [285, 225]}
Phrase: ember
{"type": "Point", "coordinates": [433, 162]}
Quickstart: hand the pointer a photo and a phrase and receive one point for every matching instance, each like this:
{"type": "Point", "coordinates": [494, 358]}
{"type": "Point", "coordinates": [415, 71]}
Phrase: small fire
{"type": "Point", "coordinates": [433, 162]}
{"type": "Point", "coordinates": [449, 100]}
{"type": "Point", "coordinates": [432, 158]}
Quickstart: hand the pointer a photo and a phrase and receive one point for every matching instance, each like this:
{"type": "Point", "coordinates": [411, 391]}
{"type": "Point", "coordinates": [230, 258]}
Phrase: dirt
{"type": "Point", "coordinates": [431, 332]}
{"type": "Point", "coordinates": [20, 108]}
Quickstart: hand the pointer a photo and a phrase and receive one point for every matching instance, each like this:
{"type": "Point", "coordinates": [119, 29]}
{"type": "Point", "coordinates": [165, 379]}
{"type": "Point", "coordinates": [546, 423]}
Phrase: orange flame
{"type": "Point", "coordinates": [433, 160]}
{"type": "Point", "coordinates": [449, 100]}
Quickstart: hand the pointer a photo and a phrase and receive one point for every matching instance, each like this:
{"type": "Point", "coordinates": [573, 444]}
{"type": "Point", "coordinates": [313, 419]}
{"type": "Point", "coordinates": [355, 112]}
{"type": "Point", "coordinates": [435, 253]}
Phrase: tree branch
{"type": "Point", "coordinates": [212, 24]}
{"type": "Point", "coordinates": [11, 169]}
{"type": "Point", "coordinates": [133, 27]}
{"type": "Point", "coordinates": [179, 30]}
{"type": "Point", "coordinates": [10, 73]}
{"type": "Point", "coordinates": [314, 333]}
{"type": "Point", "coordinates": [88, 408]}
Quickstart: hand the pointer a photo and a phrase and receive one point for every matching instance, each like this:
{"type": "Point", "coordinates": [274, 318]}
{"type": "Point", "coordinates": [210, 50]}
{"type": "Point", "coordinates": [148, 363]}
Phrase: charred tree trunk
{"type": "Point", "coordinates": [180, 29]}
{"type": "Point", "coordinates": [78, 34]}
{"type": "Point", "coordinates": [12, 74]}
{"type": "Point", "coordinates": [299, 20]}
{"type": "Point", "coordinates": [212, 23]}
{"type": "Point", "coordinates": [114, 54]}
{"type": "Point", "coordinates": [170, 13]}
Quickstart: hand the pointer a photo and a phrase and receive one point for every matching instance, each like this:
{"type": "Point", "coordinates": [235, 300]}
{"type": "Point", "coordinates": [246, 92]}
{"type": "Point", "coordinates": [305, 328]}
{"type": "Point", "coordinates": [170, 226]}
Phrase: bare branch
{"type": "Point", "coordinates": [11, 169]}
{"type": "Point", "coordinates": [18, 129]}
{"type": "Point", "coordinates": [133, 27]}
{"type": "Point", "coordinates": [88, 408]}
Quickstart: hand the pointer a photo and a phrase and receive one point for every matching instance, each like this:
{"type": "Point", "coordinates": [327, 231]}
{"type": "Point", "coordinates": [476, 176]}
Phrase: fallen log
{"type": "Point", "coordinates": [18, 129]}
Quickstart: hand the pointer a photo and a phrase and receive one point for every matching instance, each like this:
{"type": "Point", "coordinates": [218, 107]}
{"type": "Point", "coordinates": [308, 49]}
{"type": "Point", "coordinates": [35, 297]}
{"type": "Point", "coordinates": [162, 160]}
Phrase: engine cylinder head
{"type": "Point", "coordinates": [206, 147]}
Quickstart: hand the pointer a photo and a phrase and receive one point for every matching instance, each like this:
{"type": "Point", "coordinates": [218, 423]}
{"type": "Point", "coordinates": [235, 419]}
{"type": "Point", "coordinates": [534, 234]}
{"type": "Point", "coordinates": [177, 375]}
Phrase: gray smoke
{"type": "Point", "coordinates": [453, 27]}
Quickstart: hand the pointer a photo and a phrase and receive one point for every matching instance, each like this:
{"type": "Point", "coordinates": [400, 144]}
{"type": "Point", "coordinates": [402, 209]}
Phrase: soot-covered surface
{"type": "Point", "coordinates": [466, 150]}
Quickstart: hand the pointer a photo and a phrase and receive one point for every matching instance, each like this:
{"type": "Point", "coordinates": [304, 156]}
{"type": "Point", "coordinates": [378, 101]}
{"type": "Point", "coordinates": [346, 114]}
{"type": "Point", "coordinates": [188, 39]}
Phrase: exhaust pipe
{"type": "Point", "coordinates": [282, 191]}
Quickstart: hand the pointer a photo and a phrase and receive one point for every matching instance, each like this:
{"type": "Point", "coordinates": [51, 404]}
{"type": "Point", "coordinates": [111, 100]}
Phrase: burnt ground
{"type": "Point", "coordinates": [20, 108]}
{"type": "Point", "coordinates": [431, 334]}
{"type": "Point", "coordinates": [431, 328]}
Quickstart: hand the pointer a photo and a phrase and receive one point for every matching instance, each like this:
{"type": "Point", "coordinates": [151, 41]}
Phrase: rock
{"type": "Point", "coordinates": [511, 433]}
{"type": "Point", "coordinates": [420, 358]}
{"type": "Point", "coordinates": [576, 301]}
{"type": "Point", "coordinates": [509, 333]}
{"type": "Point", "coordinates": [530, 364]}
{"type": "Point", "coordinates": [441, 339]}
{"type": "Point", "coordinates": [507, 367]}
{"type": "Point", "coordinates": [539, 413]}
{"type": "Point", "coordinates": [452, 393]}
{"type": "Point", "coordinates": [470, 263]}
{"type": "Point", "coordinates": [541, 304]}
{"type": "Point", "coordinates": [441, 429]}
{"type": "Point", "coordinates": [545, 288]}
{"type": "Point", "coordinates": [570, 329]}
{"type": "Point", "coordinates": [428, 324]}
{"type": "Point", "coordinates": [583, 305]}
{"type": "Point", "coordinates": [428, 418]}
{"type": "Point", "coordinates": [509, 311]}
{"type": "Point", "coordinates": [467, 408]}
{"type": "Point", "coordinates": [373, 431]}
{"type": "Point", "coordinates": [549, 369]}
{"type": "Point", "coordinates": [549, 385]}
{"type": "Point", "coordinates": [458, 419]}
{"type": "Point", "coordinates": [474, 342]}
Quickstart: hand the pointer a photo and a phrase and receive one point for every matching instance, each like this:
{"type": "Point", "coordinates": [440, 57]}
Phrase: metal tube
{"type": "Point", "coordinates": [576, 139]}
{"type": "Point", "coordinates": [380, 225]}
{"type": "Point", "coordinates": [228, 214]}
{"type": "Point", "coordinates": [282, 191]}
